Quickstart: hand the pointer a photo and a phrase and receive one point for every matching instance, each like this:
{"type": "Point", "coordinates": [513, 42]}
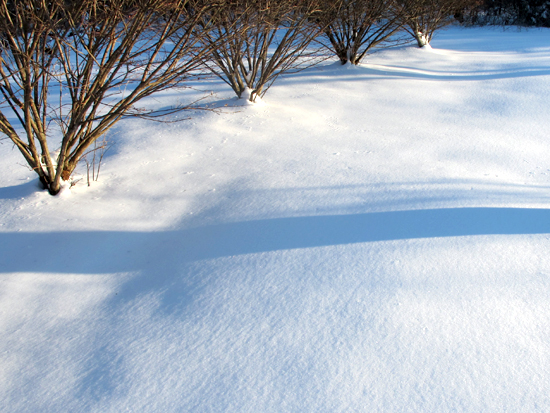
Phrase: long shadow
{"type": "Point", "coordinates": [411, 73]}
{"type": "Point", "coordinates": [331, 73]}
{"type": "Point", "coordinates": [108, 252]}
{"type": "Point", "coordinates": [162, 262]}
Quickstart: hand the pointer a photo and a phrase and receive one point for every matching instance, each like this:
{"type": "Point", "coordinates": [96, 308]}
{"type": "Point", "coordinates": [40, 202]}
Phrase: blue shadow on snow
{"type": "Point", "coordinates": [112, 251]}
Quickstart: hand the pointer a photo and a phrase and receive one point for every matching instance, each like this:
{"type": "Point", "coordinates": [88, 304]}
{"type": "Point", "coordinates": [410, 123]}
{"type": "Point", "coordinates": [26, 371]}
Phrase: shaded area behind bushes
{"type": "Point", "coordinates": [509, 12]}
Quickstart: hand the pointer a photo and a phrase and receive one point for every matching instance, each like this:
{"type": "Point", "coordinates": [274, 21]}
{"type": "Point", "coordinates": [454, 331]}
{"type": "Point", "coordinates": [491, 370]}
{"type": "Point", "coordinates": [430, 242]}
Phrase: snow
{"type": "Point", "coordinates": [369, 238]}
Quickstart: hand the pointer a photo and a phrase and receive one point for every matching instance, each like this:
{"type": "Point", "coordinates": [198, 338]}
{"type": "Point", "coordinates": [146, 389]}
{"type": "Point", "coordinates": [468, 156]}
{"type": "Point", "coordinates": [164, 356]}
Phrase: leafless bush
{"type": "Point", "coordinates": [422, 18]}
{"type": "Point", "coordinates": [69, 70]}
{"type": "Point", "coordinates": [267, 38]}
{"type": "Point", "coordinates": [356, 26]}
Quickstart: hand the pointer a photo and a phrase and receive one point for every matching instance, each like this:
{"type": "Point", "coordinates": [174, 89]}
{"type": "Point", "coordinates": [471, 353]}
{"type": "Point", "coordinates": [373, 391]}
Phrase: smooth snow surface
{"type": "Point", "coordinates": [367, 239]}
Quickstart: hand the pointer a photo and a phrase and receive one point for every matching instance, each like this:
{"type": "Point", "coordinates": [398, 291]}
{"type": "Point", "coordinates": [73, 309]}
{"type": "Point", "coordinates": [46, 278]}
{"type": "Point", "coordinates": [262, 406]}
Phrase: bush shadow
{"type": "Point", "coordinates": [119, 251]}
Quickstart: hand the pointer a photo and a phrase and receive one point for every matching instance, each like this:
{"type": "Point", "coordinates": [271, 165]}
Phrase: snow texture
{"type": "Point", "coordinates": [368, 239]}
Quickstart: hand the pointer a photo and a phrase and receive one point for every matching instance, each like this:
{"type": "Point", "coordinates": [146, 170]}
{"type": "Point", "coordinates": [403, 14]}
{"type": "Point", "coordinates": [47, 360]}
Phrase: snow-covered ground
{"type": "Point", "coordinates": [365, 239]}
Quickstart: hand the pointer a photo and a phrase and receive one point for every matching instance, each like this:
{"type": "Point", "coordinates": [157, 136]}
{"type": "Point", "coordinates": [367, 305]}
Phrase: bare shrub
{"type": "Point", "coordinates": [266, 38]}
{"type": "Point", "coordinates": [422, 18]}
{"type": "Point", "coordinates": [356, 26]}
{"type": "Point", "coordinates": [69, 70]}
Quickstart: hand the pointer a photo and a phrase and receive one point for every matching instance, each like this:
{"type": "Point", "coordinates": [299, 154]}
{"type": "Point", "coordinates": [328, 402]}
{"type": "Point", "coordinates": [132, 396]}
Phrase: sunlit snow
{"type": "Point", "coordinates": [367, 239]}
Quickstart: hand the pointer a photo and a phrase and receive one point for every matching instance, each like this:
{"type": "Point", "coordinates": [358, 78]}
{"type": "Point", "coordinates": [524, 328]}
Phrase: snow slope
{"type": "Point", "coordinates": [366, 239]}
